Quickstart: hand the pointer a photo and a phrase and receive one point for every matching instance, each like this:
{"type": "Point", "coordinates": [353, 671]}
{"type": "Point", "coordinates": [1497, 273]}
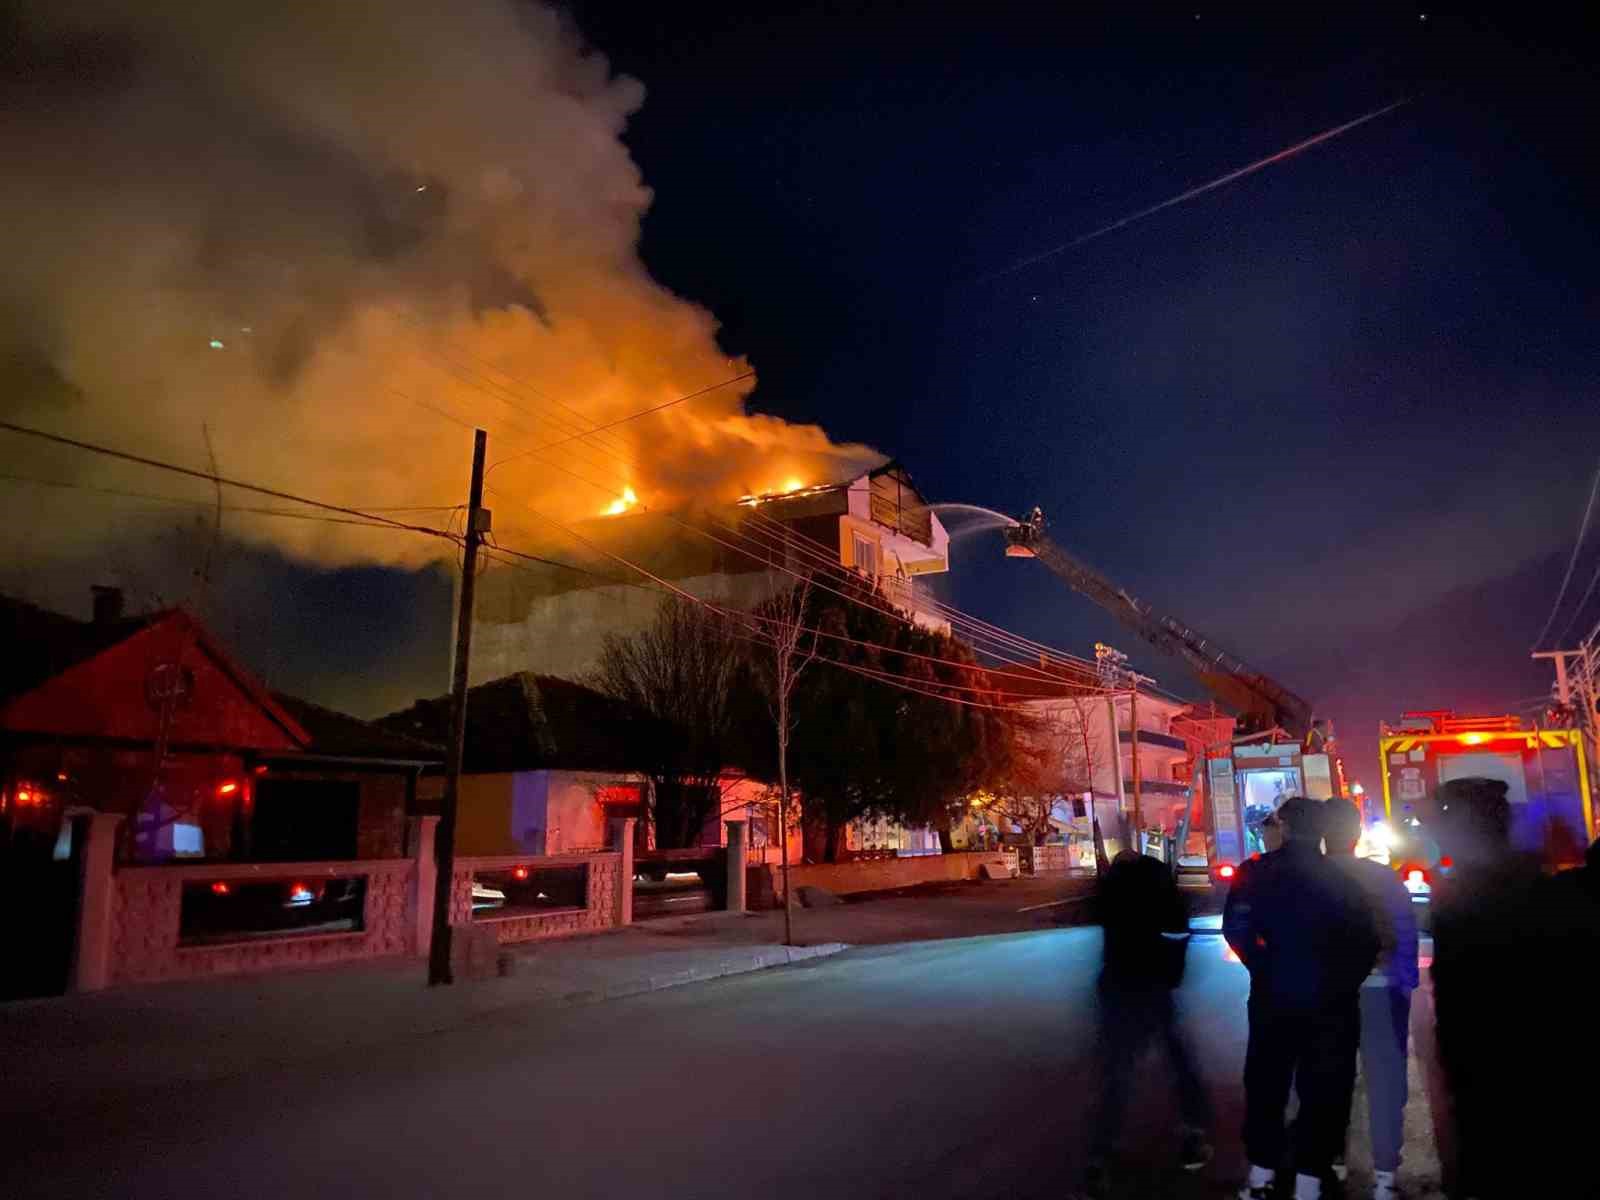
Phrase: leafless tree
{"type": "Point", "coordinates": [781, 622]}
{"type": "Point", "coordinates": [1063, 759]}
{"type": "Point", "coordinates": [681, 672]}
{"type": "Point", "coordinates": [1083, 758]}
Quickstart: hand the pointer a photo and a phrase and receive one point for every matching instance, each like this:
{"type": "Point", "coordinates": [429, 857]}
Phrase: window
{"type": "Point", "coordinates": [528, 891]}
{"type": "Point", "coordinates": [239, 910]}
{"type": "Point", "coordinates": [866, 556]}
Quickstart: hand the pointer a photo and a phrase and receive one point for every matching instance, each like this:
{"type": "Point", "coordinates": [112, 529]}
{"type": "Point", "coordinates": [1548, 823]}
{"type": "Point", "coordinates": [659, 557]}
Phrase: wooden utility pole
{"type": "Point", "coordinates": [445, 839]}
{"type": "Point", "coordinates": [1133, 742]}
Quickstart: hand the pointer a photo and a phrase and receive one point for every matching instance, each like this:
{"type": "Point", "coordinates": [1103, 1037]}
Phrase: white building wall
{"type": "Point", "coordinates": [1156, 762]}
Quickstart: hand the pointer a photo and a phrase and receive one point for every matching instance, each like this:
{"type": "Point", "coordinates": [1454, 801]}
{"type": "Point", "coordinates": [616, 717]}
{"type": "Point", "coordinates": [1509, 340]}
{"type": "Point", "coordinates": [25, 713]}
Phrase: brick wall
{"type": "Point", "coordinates": [598, 913]}
{"type": "Point", "coordinates": [146, 908]}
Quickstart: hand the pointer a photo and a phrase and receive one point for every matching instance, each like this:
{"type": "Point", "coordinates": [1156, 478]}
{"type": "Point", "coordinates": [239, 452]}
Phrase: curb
{"type": "Point", "coordinates": [761, 959]}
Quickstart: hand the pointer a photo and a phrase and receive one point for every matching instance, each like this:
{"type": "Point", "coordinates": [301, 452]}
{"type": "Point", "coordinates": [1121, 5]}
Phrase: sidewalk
{"type": "Point", "coordinates": [79, 1048]}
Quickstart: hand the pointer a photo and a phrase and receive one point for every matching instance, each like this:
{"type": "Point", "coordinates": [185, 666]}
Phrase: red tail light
{"type": "Point", "coordinates": [1416, 875]}
{"type": "Point", "coordinates": [1225, 871]}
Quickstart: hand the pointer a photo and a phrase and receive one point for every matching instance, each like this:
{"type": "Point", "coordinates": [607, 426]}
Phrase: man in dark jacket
{"type": "Point", "coordinates": [1490, 916]}
{"type": "Point", "coordinates": [1146, 926]}
{"type": "Point", "coordinates": [1304, 931]}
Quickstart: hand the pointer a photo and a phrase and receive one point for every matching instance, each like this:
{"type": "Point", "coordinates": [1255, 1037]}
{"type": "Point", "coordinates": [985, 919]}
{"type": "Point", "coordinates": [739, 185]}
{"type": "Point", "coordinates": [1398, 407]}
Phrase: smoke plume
{"type": "Point", "coordinates": [336, 236]}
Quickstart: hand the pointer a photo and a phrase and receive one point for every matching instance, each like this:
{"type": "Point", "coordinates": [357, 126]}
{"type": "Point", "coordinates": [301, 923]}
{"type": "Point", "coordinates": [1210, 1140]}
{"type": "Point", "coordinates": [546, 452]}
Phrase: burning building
{"type": "Point", "coordinates": [554, 620]}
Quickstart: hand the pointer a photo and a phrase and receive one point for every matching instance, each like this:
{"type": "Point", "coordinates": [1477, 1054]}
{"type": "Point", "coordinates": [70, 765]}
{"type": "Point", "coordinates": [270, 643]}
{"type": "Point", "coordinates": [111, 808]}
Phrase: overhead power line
{"type": "Point", "coordinates": [189, 502]}
{"type": "Point", "coordinates": [644, 412]}
{"type": "Point", "coordinates": [212, 477]}
{"type": "Point", "coordinates": [1577, 546]}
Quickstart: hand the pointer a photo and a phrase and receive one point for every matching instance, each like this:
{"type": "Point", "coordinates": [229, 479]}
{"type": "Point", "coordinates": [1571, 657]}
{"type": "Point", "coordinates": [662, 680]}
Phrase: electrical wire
{"type": "Point", "coordinates": [212, 477]}
{"type": "Point", "coordinates": [975, 629]}
{"type": "Point", "coordinates": [1583, 531]}
{"type": "Point", "coordinates": [905, 682]}
{"type": "Point", "coordinates": [630, 417]}
{"type": "Point", "coordinates": [981, 633]}
{"type": "Point", "coordinates": [959, 618]}
{"type": "Point", "coordinates": [193, 503]}
{"type": "Point", "coordinates": [1582, 604]}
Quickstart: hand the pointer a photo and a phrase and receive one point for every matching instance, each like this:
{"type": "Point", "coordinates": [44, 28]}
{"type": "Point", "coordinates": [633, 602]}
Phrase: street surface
{"type": "Point", "coordinates": [958, 1068]}
{"type": "Point", "coordinates": [953, 1068]}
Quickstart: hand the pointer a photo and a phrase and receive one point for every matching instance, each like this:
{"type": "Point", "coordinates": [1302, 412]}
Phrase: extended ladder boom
{"type": "Point", "coordinates": [1230, 679]}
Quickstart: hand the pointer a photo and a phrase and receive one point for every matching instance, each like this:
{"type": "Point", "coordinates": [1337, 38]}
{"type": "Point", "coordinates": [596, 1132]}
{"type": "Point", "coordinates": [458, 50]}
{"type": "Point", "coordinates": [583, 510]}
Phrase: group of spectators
{"type": "Point", "coordinates": [1331, 944]}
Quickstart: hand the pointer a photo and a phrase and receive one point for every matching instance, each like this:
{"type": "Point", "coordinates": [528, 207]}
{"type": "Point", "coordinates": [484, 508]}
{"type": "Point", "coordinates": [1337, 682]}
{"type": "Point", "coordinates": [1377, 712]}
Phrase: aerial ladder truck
{"type": "Point", "coordinates": [1276, 751]}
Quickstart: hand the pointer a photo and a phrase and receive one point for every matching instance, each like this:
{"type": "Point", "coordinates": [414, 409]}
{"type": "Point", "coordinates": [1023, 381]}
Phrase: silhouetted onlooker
{"type": "Point", "coordinates": [1146, 924]}
{"type": "Point", "coordinates": [1304, 931]}
{"type": "Point", "coordinates": [1561, 982]}
{"type": "Point", "coordinates": [1488, 974]}
{"type": "Point", "coordinates": [1385, 1000]}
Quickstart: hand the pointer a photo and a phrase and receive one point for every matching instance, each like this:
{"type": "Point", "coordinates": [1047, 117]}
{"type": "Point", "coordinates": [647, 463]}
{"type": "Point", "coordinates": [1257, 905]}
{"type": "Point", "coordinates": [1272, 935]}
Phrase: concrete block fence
{"type": "Point", "coordinates": [128, 927]}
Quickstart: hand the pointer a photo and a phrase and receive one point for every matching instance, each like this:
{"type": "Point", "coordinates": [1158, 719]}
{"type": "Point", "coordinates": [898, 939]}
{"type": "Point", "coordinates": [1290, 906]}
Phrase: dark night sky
{"type": "Point", "coordinates": [1337, 403]}
{"type": "Point", "coordinates": [1340, 413]}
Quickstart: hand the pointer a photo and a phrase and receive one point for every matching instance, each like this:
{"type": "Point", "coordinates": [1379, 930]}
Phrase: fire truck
{"type": "Point", "coordinates": [1545, 771]}
{"type": "Point", "coordinates": [1245, 768]}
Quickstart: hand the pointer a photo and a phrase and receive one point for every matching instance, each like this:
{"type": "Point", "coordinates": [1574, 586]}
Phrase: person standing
{"type": "Point", "coordinates": [1303, 930]}
{"type": "Point", "coordinates": [1489, 916]}
{"type": "Point", "coordinates": [1385, 1001]}
{"type": "Point", "coordinates": [1146, 930]}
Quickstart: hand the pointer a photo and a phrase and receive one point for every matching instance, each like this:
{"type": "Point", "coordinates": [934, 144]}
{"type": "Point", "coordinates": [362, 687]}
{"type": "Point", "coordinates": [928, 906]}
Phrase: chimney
{"type": "Point", "coordinates": [107, 604]}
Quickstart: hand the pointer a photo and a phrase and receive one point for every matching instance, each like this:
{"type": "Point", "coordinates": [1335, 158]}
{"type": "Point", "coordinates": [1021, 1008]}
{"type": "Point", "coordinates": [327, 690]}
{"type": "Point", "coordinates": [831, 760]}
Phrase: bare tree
{"type": "Point", "coordinates": [1083, 761]}
{"type": "Point", "coordinates": [682, 672]}
{"type": "Point", "coordinates": [782, 625]}
{"type": "Point", "coordinates": [1061, 757]}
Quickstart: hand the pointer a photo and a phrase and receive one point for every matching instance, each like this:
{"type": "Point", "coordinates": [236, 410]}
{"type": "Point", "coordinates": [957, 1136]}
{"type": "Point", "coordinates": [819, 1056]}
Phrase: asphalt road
{"type": "Point", "coordinates": [941, 1069]}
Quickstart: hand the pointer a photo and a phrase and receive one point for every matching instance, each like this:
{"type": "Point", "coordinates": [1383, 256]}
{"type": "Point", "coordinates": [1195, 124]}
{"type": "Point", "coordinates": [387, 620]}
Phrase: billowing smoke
{"type": "Point", "coordinates": [332, 237]}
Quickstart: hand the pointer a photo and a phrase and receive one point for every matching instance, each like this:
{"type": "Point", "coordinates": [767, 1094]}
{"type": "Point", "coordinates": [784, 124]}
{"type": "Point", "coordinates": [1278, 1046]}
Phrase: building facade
{"type": "Point", "coordinates": [554, 621]}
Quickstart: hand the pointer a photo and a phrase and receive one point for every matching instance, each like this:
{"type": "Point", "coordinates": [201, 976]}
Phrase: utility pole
{"type": "Point", "coordinates": [1563, 684]}
{"type": "Point", "coordinates": [445, 839]}
{"type": "Point", "coordinates": [1133, 743]}
{"type": "Point", "coordinates": [1115, 673]}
